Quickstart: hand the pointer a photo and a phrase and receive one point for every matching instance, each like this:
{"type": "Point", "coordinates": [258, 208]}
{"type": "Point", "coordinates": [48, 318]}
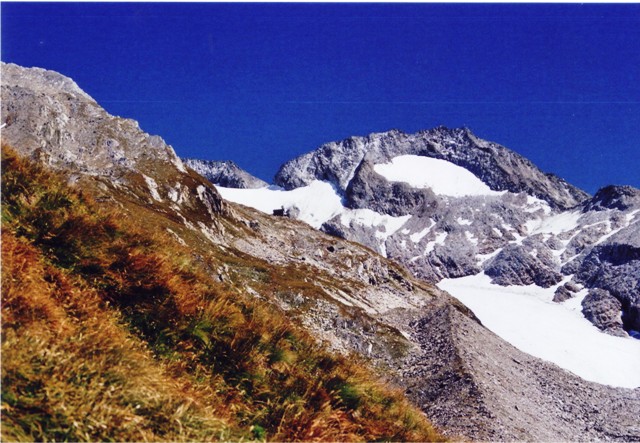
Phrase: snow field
{"type": "Point", "coordinates": [443, 177]}
{"type": "Point", "coordinates": [526, 317]}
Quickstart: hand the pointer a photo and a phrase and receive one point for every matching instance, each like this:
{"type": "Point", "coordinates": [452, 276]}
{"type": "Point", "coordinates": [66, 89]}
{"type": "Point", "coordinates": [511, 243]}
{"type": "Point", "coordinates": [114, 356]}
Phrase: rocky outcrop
{"type": "Point", "coordinates": [603, 310]}
{"type": "Point", "coordinates": [613, 197]}
{"type": "Point", "coordinates": [225, 173]}
{"type": "Point", "coordinates": [47, 117]}
{"type": "Point", "coordinates": [369, 190]}
{"type": "Point", "coordinates": [565, 292]}
{"type": "Point", "coordinates": [515, 266]}
{"type": "Point", "coordinates": [614, 265]}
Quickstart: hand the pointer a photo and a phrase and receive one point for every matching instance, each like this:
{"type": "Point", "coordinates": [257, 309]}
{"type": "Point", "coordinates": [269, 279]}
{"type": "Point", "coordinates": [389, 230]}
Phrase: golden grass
{"type": "Point", "coordinates": [110, 333]}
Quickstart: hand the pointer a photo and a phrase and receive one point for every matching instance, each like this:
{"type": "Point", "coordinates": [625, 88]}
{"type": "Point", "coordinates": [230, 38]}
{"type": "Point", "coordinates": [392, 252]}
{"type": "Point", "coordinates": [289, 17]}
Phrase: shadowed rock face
{"type": "Point", "coordinates": [513, 265]}
{"type": "Point", "coordinates": [614, 266]}
{"type": "Point", "coordinates": [369, 190]}
{"type": "Point", "coordinates": [603, 310]}
{"type": "Point", "coordinates": [614, 197]}
{"type": "Point", "coordinates": [225, 173]}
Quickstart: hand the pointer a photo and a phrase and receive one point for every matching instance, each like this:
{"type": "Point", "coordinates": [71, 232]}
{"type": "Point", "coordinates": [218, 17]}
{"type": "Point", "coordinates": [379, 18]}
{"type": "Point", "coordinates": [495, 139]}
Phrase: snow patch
{"type": "Point", "coordinates": [440, 237]}
{"type": "Point", "coordinates": [555, 224]}
{"type": "Point", "coordinates": [387, 224]}
{"type": "Point", "coordinates": [527, 318]}
{"type": "Point", "coordinates": [417, 236]}
{"type": "Point", "coordinates": [628, 217]}
{"type": "Point", "coordinates": [318, 202]}
{"type": "Point", "coordinates": [534, 204]}
{"type": "Point", "coordinates": [472, 238]}
{"type": "Point", "coordinates": [443, 177]}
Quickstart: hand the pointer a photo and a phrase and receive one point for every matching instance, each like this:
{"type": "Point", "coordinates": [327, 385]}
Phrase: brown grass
{"type": "Point", "coordinates": [110, 333]}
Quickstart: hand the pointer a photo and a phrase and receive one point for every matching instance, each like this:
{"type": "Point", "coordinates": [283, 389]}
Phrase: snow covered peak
{"type": "Point", "coordinates": [499, 168]}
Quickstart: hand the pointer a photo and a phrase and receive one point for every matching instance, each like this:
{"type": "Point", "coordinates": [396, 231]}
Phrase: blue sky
{"type": "Point", "coordinates": [262, 83]}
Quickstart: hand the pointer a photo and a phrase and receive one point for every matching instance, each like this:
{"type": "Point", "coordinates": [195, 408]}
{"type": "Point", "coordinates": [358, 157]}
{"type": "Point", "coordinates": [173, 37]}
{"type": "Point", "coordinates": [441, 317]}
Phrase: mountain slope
{"type": "Point", "coordinates": [348, 298]}
{"type": "Point", "coordinates": [102, 320]}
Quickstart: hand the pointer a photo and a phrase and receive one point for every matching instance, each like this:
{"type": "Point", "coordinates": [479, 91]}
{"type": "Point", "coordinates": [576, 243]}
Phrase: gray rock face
{"type": "Point", "coordinates": [603, 310]}
{"type": "Point", "coordinates": [225, 173]}
{"type": "Point", "coordinates": [614, 266]}
{"type": "Point", "coordinates": [369, 190]}
{"type": "Point", "coordinates": [47, 117]}
{"type": "Point", "coordinates": [565, 292]}
{"type": "Point", "coordinates": [614, 197]}
{"type": "Point", "coordinates": [514, 265]}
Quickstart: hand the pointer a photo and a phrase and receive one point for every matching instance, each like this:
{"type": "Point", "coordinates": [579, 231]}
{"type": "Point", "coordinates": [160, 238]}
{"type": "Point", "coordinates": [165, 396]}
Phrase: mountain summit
{"type": "Point", "coordinates": [498, 167]}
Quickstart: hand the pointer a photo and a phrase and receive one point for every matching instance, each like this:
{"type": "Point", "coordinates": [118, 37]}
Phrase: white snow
{"type": "Point", "coordinates": [464, 222]}
{"type": "Point", "coordinates": [443, 177]}
{"type": "Point", "coordinates": [417, 236]}
{"type": "Point", "coordinates": [534, 204]}
{"type": "Point", "coordinates": [440, 237]}
{"type": "Point", "coordinates": [318, 202]}
{"type": "Point", "coordinates": [472, 238]}
{"type": "Point", "coordinates": [387, 224]}
{"type": "Point", "coordinates": [153, 187]}
{"type": "Point", "coordinates": [527, 318]}
{"type": "Point", "coordinates": [628, 217]}
{"type": "Point", "coordinates": [555, 224]}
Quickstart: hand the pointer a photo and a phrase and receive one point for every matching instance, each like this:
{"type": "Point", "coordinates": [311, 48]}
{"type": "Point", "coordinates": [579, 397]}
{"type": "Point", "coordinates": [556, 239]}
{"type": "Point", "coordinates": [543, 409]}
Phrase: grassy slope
{"type": "Point", "coordinates": [110, 333]}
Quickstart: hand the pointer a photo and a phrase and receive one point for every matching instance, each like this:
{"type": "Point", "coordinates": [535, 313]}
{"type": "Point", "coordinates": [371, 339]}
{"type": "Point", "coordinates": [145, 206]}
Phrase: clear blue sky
{"type": "Point", "coordinates": [262, 83]}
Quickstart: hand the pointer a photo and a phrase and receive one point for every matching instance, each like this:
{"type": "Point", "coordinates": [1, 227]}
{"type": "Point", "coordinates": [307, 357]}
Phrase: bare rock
{"type": "Point", "coordinates": [604, 310]}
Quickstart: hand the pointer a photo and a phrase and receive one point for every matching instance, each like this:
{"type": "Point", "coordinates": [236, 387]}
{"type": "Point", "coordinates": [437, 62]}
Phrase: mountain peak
{"type": "Point", "coordinates": [614, 197]}
{"type": "Point", "coordinates": [498, 167]}
{"type": "Point", "coordinates": [41, 80]}
{"type": "Point", "coordinates": [225, 173]}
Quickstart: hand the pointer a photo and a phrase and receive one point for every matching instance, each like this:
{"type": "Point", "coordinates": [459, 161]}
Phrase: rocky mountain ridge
{"type": "Point", "coordinates": [350, 298]}
{"type": "Point", "coordinates": [500, 168]}
{"type": "Point", "coordinates": [225, 173]}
